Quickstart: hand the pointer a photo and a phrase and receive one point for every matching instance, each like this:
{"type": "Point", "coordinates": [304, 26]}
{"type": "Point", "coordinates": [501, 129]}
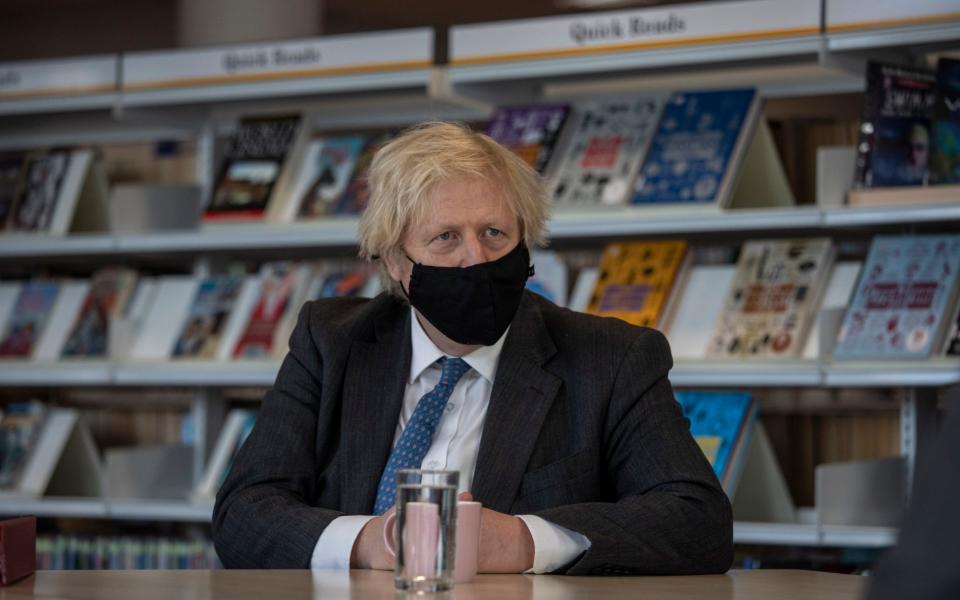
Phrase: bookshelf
{"type": "Point", "coordinates": [819, 57]}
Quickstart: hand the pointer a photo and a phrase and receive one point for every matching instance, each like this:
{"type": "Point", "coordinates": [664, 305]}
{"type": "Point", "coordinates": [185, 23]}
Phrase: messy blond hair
{"type": "Point", "coordinates": [405, 171]}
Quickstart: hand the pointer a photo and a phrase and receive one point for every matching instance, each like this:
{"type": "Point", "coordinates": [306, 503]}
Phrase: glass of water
{"type": "Point", "coordinates": [425, 529]}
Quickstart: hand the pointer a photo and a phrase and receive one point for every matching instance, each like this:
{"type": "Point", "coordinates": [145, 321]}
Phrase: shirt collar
{"type": "Point", "coordinates": [483, 360]}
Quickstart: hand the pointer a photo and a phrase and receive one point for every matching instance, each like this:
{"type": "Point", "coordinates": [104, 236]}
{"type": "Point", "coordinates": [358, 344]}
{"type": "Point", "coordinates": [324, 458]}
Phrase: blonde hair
{"type": "Point", "coordinates": [405, 171]}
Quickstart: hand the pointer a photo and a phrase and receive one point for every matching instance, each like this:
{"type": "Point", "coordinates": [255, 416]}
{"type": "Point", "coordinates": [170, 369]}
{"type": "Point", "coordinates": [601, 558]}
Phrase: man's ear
{"type": "Point", "coordinates": [394, 266]}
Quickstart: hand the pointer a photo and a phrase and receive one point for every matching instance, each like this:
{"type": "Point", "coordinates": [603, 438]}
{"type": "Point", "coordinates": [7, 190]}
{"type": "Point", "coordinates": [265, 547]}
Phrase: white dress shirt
{"type": "Point", "coordinates": [455, 445]}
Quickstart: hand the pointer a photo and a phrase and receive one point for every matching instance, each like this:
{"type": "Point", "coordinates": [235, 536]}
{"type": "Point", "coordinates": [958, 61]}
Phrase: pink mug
{"type": "Point", "coordinates": [420, 543]}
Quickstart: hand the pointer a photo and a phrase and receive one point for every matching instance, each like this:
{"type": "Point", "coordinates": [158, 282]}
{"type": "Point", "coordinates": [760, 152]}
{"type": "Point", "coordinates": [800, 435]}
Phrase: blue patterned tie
{"type": "Point", "coordinates": [417, 436]}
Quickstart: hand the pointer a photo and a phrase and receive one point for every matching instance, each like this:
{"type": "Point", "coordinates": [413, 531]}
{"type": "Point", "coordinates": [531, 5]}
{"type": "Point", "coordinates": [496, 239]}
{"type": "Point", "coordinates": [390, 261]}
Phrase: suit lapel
{"type": "Point", "coordinates": [522, 395]}
{"type": "Point", "coordinates": [373, 388]}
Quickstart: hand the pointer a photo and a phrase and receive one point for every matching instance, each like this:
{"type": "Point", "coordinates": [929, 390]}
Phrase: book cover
{"type": "Point", "coordinates": [945, 149]}
{"type": "Point", "coordinates": [334, 166]}
{"type": "Point", "coordinates": [550, 276]}
{"type": "Point", "coordinates": [90, 335]}
{"type": "Point", "coordinates": [354, 198]}
{"type": "Point", "coordinates": [606, 144]}
{"type": "Point", "coordinates": [719, 422]}
{"type": "Point", "coordinates": [273, 303]}
{"type": "Point", "coordinates": [11, 178]}
{"type": "Point", "coordinates": [339, 281]}
{"type": "Point", "coordinates": [953, 338]}
{"type": "Point", "coordinates": [636, 279]}
{"type": "Point", "coordinates": [246, 427]}
{"type": "Point", "coordinates": [251, 168]}
{"type": "Point", "coordinates": [693, 147]}
{"type": "Point", "coordinates": [530, 131]}
{"type": "Point", "coordinates": [894, 143]}
{"type": "Point", "coordinates": [212, 304]}
{"type": "Point", "coordinates": [772, 302]}
{"type": "Point", "coordinates": [905, 288]}
{"type": "Point", "coordinates": [29, 318]}
{"type": "Point", "coordinates": [19, 431]}
{"type": "Point", "coordinates": [37, 201]}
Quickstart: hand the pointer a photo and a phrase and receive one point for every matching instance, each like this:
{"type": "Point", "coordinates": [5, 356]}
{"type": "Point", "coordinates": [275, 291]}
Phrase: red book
{"type": "Point", "coordinates": [18, 549]}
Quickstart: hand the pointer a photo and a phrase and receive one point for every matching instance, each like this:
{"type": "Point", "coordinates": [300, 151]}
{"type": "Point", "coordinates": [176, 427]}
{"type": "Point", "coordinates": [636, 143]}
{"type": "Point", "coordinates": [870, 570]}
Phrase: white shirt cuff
{"type": "Point", "coordinates": [553, 546]}
{"type": "Point", "coordinates": [335, 545]}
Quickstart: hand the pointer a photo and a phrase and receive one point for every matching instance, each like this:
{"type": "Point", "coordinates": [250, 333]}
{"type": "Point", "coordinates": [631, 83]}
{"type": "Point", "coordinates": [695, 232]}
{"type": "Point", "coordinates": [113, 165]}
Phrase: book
{"type": "Point", "coordinates": [70, 298]}
{"type": "Point", "coordinates": [945, 147]}
{"type": "Point", "coordinates": [163, 320]}
{"type": "Point", "coordinates": [906, 287]}
{"type": "Point", "coordinates": [636, 279]}
{"type": "Point", "coordinates": [607, 140]}
{"type": "Point", "coordinates": [952, 346]}
{"type": "Point", "coordinates": [339, 281]}
{"type": "Point", "coordinates": [689, 322]}
{"type": "Point", "coordinates": [550, 276]}
{"type": "Point", "coordinates": [721, 423]}
{"type": "Point", "coordinates": [252, 166]}
{"type": "Point", "coordinates": [354, 198]}
{"type": "Point", "coordinates": [11, 178]}
{"type": "Point", "coordinates": [29, 319]}
{"type": "Point", "coordinates": [694, 155]}
{"type": "Point", "coordinates": [768, 311]}
{"type": "Point", "coordinates": [109, 291]}
{"type": "Point", "coordinates": [331, 165]}
{"type": "Point", "coordinates": [37, 201]}
{"type": "Point", "coordinates": [278, 289]}
{"type": "Point", "coordinates": [236, 428]}
{"type": "Point", "coordinates": [530, 131]}
{"type": "Point", "coordinates": [19, 432]}
{"type": "Point", "coordinates": [895, 128]}
{"type": "Point", "coordinates": [211, 307]}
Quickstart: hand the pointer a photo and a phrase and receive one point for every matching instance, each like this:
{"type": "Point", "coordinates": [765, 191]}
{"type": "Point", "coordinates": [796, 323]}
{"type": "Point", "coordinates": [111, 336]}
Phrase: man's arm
{"type": "Point", "coordinates": [263, 516]}
{"type": "Point", "coordinates": [671, 515]}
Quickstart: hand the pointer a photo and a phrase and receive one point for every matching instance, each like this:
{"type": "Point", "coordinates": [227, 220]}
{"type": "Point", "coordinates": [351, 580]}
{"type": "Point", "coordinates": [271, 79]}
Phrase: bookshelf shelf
{"type": "Point", "coordinates": [59, 104]}
{"type": "Point", "coordinates": [197, 373]}
{"type": "Point", "coordinates": [326, 233]}
{"type": "Point", "coordinates": [40, 245]}
{"type": "Point", "coordinates": [932, 372]}
{"type": "Point", "coordinates": [725, 373]}
{"type": "Point", "coordinates": [791, 534]}
{"type": "Point", "coordinates": [885, 37]}
{"type": "Point", "coordinates": [84, 508]}
{"type": "Point", "coordinates": [100, 508]}
{"type": "Point", "coordinates": [889, 215]}
{"type": "Point", "coordinates": [15, 373]}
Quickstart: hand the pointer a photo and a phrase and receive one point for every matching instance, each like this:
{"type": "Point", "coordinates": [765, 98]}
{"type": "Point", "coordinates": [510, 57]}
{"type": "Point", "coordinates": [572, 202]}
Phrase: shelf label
{"type": "Point", "coordinates": [61, 77]}
{"type": "Point", "coordinates": [634, 30]}
{"type": "Point", "coordinates": [852, 15]}
{"type": "Point", "coordinates": [314, 57]}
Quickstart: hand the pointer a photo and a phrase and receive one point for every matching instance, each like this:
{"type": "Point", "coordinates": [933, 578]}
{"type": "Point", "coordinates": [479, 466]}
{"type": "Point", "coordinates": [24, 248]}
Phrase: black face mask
{"type": "Point", "coordinates": [471, 305]}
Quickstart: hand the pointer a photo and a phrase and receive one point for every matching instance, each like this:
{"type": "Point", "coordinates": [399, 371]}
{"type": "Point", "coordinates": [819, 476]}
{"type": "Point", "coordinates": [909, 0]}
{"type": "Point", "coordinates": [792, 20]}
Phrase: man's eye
{"type": "Point", "coordinates": [493, 232]}
{"type": "Point", "coordinates": [445, 236]}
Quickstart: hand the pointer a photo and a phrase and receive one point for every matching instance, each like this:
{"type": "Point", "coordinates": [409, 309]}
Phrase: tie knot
{"type": "Point", "coordinates": [453, 369]}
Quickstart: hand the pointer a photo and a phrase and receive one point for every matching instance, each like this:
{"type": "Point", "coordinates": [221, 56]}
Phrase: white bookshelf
{"type": "Point", "coordinates": [812, 535]}
{"type": "Point", "coordinates": [104, 508]}
{"type": "Point", "coordinates": [24, 373]}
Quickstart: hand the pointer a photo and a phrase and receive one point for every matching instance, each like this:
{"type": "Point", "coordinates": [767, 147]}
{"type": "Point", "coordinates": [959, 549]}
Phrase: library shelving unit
{"type": "Point", "coordinates": [781, 47]}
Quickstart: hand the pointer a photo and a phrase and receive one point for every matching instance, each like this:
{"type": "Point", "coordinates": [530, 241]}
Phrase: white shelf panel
{"type": "Point", "coordinates": [63, 373]}
{"type": "Point", "coordinates": [159, 510]}
{"type": "Point", "coordinates": [15, 245]}
{"type": "Point", "coordinates": [881, 37]}
{"type": "Point", "coordinates": [890, 215]}
{"type": "Point", "coordinates": [90, 508]}
{"type": "Point", "coordinates": [790, 534]}
{"type": "Point", "coordinates": [366, 82]}
{"type": "Point", "coordinates": [662, 220]}
{"type": "Point", "coordinates": [331, 232]}
{"type": "Point", "coordinates": [198, 373]}
{"type": "Point", "coordinates": [51, 104]}
{"type": "Point", "coordinates": [933, 372]}
{"type": "Point", "coordinates": [726, 373]}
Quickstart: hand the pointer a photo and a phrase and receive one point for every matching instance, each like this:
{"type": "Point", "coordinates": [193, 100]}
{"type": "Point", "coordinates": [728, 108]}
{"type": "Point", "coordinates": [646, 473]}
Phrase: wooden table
{"type": "Point", "coordinates": [281, 585]}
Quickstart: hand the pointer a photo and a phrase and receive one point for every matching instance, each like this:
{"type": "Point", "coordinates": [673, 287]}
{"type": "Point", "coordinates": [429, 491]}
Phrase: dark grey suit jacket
{"type": "Point", "coordinates": [582, 429]}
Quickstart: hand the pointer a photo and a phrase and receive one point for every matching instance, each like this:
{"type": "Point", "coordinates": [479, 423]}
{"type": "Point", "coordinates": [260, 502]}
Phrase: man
{"type": "Point", "coordinates": [565, 420]}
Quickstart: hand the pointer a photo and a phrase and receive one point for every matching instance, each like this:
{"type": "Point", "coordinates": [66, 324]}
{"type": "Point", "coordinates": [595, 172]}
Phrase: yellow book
{"type": "Point", "coordinates": [636, 280]}
{"type": "Point", "coordinates": [710, 444]}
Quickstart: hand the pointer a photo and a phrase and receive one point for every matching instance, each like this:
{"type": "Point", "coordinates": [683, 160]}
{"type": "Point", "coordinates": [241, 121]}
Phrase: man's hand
{"type": "Point", "coordinates": [506, 545]}
{"type": "Point", "coordinates": [369, 551]}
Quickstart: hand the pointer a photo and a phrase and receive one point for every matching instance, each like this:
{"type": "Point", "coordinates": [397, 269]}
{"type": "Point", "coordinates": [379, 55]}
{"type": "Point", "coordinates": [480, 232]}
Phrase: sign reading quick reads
{"type": "Point", "coordinates": [636, 30]}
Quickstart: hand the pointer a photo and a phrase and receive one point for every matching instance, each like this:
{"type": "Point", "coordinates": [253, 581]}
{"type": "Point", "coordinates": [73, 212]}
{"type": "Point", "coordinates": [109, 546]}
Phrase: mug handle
{"type": "Point", "coordinates": [390, 534]}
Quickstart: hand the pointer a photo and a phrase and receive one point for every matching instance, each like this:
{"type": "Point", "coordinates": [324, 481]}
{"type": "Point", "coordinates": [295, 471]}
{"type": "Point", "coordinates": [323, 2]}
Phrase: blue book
{"type": "Point", "coordinates": [694, 146]}
{"type": "Point", "coordinates": [721, 423]}
{"type": "Point", "coordinates": [945, 149]}
{"type": "Point", "coordinates": [899, 308]}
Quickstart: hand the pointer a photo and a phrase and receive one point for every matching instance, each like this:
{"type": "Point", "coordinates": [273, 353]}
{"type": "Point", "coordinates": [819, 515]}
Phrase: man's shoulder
{"type": "Point", "coordinates": [352, 317]}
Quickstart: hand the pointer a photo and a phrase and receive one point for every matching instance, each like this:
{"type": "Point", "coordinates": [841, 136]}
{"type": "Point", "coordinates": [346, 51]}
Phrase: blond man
{"type": "Point", "coordinates": [563, 425]}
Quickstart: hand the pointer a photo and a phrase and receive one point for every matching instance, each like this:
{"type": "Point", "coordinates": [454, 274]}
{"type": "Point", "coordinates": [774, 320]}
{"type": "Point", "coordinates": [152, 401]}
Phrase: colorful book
{"type": "Point", "coordinates": [30, 316]}
{"type": "Point", "coordinates": [636, 279]}
{"type": "Point", "coordinates": [109, 291]}
{"type": "Point", "coordinates": [550, 276]}
{"type": "Point", "coordinates": [35, 207]}
{"type": "Point", "coordinates": [251, 168]}
{"type": "Point", "coordinates": [773, 299]}
{"type": "Point", "coordinates": [530, 131]}
{"type": "Point", "coordinates": [19, 431]}
{"type": "Point", "coordinates": [899, 308]}
{"type": "Point", "coordinates": [720, 422]}
{"type": "Point", "coordinates": [212, 304]}
{"type": "Point", "coordinates": [334, 165]}
{"type": "Point", "coordinates": [945, 149]}
{"type": "Point", "coordinates": [11, 178]}
{"type": "Point", "coordinates": [354, 198]}
{"type": "Point", "coordinates": [277, 288]}
{"type": "Point", "coordinates": [692, 157]}
{"type": "Point", "coordinates": [608, 139]}
{"type": "Point", "coordinates": [339, 283]}
{"type": "Point", "coordinates": [953, 338]}
{"type": "Point", "coordinates": [895, 128]}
